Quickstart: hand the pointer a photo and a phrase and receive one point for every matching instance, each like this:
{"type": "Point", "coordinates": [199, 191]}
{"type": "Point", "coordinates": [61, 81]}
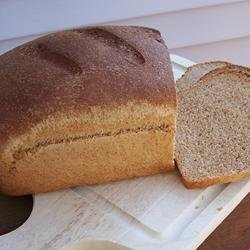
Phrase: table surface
{"type": "Point", "coordinates": [233, 233]}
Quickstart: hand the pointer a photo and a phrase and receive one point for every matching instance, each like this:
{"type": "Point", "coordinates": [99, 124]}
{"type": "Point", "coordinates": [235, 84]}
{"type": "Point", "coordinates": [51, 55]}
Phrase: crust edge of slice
{"type": "Point", "coordinates": [192, 69]}
{"type": "Point", "coordinates": [191, 184]}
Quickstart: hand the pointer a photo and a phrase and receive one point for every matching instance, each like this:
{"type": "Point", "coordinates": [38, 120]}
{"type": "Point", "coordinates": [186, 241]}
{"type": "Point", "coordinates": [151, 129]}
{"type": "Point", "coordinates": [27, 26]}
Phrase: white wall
{"type": "Point", "coordinates": [220, 32]}
{"type": "Point", "coordinates": [199, 30]}
{"type": "Point", "coordinates": [233, 50]}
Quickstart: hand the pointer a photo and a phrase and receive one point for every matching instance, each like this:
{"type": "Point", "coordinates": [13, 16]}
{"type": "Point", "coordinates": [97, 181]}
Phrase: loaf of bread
{"type": "Point", "coordinates": [85, 106]}
{"type": "Point", "coordinates": [213, 133]}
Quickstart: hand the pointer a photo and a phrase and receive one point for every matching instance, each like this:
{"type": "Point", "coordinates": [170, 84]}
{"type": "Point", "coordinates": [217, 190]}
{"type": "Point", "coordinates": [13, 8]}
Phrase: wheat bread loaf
{"type": "Point", "coordinates": [85, 106]}
{"type": "Point", "coordinates": [213, 128]}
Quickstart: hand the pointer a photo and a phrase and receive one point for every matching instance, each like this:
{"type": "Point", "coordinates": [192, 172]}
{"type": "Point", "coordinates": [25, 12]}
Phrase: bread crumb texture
{"type": "Point", "coordinates": [213, 128]}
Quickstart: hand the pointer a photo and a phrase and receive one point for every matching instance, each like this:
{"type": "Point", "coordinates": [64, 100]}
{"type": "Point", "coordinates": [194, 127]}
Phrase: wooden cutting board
{"type": "Point", "coordinates": [155, 212]}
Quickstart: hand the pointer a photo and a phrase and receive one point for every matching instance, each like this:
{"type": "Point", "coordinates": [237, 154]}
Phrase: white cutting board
{"type": "Point", "coordinates": [155, 212]}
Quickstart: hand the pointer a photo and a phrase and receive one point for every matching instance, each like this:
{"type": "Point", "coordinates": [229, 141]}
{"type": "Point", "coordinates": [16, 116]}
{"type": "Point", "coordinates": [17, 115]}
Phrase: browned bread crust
{"type": "Point", "coordinates": [78, 87]}
{"type": "Point", "coordinates": [191, 184]}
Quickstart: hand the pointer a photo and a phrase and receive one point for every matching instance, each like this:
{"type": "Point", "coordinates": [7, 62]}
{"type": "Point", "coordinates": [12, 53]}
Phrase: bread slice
{"type": "Point", "coordinates": [213, 128]}
{"type": "Point", "coordinates": [195, 72]}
